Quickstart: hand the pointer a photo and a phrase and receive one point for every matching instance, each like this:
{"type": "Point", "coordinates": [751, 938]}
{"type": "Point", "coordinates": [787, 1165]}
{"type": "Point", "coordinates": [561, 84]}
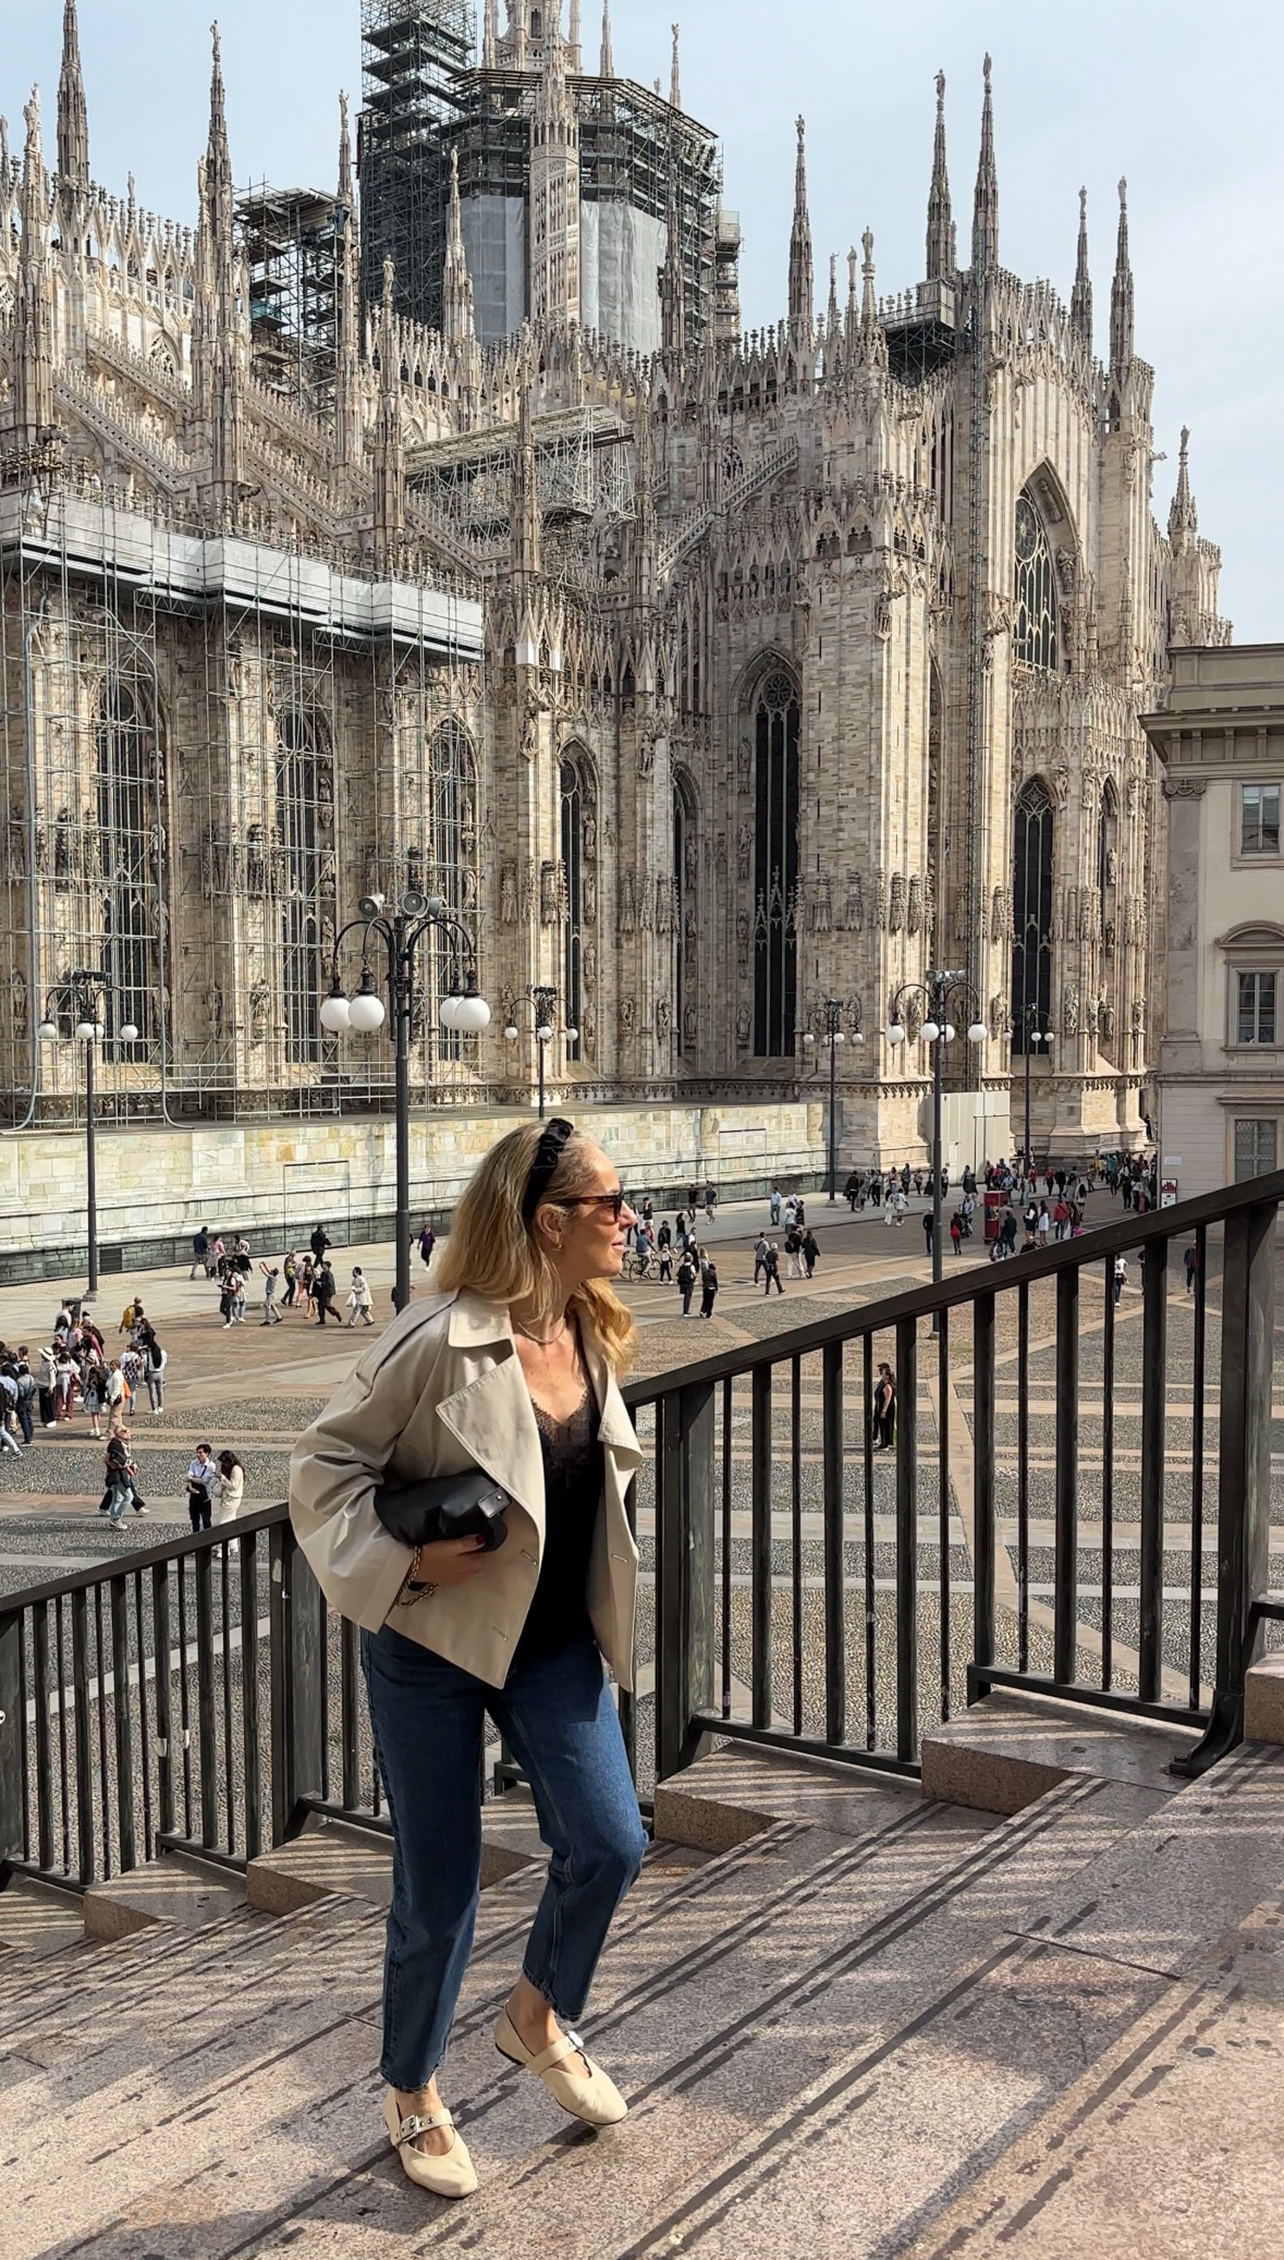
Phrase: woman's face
{"type": "Point", "coordinates": [593, 1238]}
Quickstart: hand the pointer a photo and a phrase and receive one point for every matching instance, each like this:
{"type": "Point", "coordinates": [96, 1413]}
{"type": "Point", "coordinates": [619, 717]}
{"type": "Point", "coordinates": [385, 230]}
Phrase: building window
{"type": "Point", "coordinates": [573, 903]}
{"type": "Point", "coordinates": [1034, 630]}
{"type": "Point", "coordinates": [1259, 831]}
{"type": "Point", "coordinates": [297, 777]}
{"type": "Point", "coordinates": [1032, 910]}
{"type": "Point", "coordinates": [1256, 1149]}
{"type": "Point", "coordinates": [129, 833]}
{"type": "Point", "coordinates": [684, 919]}
{"type": "Point", "coordinates": [1255, 1011]}
{"type": "Point", "coordinates": [776, 725]}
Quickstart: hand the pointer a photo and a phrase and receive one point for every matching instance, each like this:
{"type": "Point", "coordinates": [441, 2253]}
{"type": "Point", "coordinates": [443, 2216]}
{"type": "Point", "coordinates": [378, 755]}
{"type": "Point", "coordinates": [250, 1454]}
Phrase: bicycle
{"type": "Point", "coordinates": [641, 1266]}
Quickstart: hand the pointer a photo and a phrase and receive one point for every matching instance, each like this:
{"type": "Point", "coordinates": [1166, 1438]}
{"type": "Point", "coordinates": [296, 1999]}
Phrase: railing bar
{"type": "Point", "coordinates": [944, 1498]}
{"type": "Point", "coordinates": [64, 1774]}
{"type": "Point", "coordinates": [834, 1473]}
{"type": "Point", "coordinates": [163, 1700]}
{"type": "Point", "coordinates": [795, 1501]}
{"type": "Point", "coordinates": [324, 1652]}
{"type": "Point", "coordinates": [250, 1695]}
{"type": "Point", "coordinates": [1197, 1472]}
{"type": "Point", "coordinates": [85, 1862]}
{"type": "Point", "coordinates": [104, 1773]}
{"type": "Point", "coordinates": [1066, 1606]}
{"type": "Point", "coordinates": [229, 1769]}
{"type": "Point", "coordinates": [760, 1504]}
{"type": "Point", "coordinates": [1154, 1416]}
{"type": "Point", "coordinates": [348, 1713]}
{"type": "Point", "coordinates": [205, 1712]}
{"type": "Point", "coordinates": [184, 1706]}
{"type": "Point", "coordinates": [871, 1690]}
{"type": "Point", "coordinates": [728, 1388]}
{"type": "Point", "coordinates": [144, 1745]}
{"type": "Point", "coordinates": [124, 1736]}
{"type": "Point", "coordinates": [907, 1538]}
{"type": "Point", "coordinates": [1023, 1477]}
{"type": "Point", "coordinates": [984, 1511]}
{"type": "Point", "coordinates": [1108, 1480]}
{"type": "Point", "coordinates": [44, 1783]}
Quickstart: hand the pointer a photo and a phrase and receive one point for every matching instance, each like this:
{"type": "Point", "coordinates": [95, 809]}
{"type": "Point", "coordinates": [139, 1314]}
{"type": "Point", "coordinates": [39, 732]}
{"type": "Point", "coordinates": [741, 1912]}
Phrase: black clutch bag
{"type": "Point", "coordinates": [471, 1505]}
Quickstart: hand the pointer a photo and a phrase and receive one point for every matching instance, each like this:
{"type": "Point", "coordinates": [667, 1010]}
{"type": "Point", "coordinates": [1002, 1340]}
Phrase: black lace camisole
{"type": "Point", "coordinates": [574, 1473]}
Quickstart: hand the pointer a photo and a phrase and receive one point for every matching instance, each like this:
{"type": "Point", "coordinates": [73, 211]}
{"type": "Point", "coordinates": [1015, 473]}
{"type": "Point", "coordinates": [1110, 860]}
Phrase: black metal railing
{"type": "Point", "coordinates": [1077, 1501]}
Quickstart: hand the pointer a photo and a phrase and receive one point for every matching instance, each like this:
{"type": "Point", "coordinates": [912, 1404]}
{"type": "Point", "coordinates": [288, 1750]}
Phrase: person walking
{"type": "Point", "coordinates": [228, 1487]}
{"type": "Point", "coordinates": [956, 1232]}
{"type": "Point", "coordinates": [1120, 1277]}
{"type": "Point", "coordinates": [323, 1292]}
{"type": "Point", "coordinates": [793, 1252]}
{"type": "Point", "coordinates": [929, 1229]}
{"type": "Point", "coordinates": [119, 1473]}
{"type": "Point", "coordinates": [95, 1395]}
{"type": "Point", "coordinates": [773, 1206]}
{"type": "Point", "coordinates": [708, 1287]}
{"type": "Point", "coordinates": [201, 1478]}
{"type": "Point", "coordinates": [200, 1253]}
{"type": "Point", "coordinates": [9, 1408]}
{"type": "Point", "coordinates": [883, 1416]}
{"type": "Point", "coordinates": [1191, 1261]}
{"type": "Point", "coordinates": [1043, 1225]}
{"type": "Point", "coordinates": [852, 1191]}
{"type": "Point", "coordinates": [771, 1265]}
{"type": "Point", "coordinates": [227, 1299]}
{"type": "Point", "coordinates": [427, 1242]}
{"type": "Point", "coordinates": [26, 1393]}
{"type": "Point", "coordinates": [360, 1299]}
{"type": "Point", "coordinates": [809, 1251]}
{"type": "Point", "coordinates": [155, 1360]}
{"type": "Point", "coordinates": [318, 1244]}
{"type": "Point", "coordinates": [761, 1249]}
{"type": "Point", "coordinates": [271, 1281]}
{"type": "Point", "coordinates": [531, 1331]}
{"type": "Point", "coordinates": [687, 1276]}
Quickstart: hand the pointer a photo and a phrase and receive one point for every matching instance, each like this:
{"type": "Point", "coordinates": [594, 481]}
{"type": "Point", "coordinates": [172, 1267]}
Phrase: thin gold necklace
{"type": "Point", "coordinates": [545, 1341]}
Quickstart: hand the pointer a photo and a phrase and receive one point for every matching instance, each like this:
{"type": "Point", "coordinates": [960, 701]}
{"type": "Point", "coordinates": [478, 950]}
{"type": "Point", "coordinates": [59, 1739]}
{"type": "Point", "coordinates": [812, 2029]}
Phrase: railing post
{"type": "Point", "coordinates": [906, 1538]}
{"type": "Point", "coordinates": [1065, 1638]}
{"type": "Point", "coordinates": [687, 1490]}
{"type": "Point", "coordinates": [1154, 1407]}
{"type": "Point", "coordinates": [13, 1727]}
{"type": "Point", "coordinates": [984, 1537]}
{"type": "Point", "coordinates": [298, 1660]}
{"type": "Point", "coordinates": [1244, 1470]}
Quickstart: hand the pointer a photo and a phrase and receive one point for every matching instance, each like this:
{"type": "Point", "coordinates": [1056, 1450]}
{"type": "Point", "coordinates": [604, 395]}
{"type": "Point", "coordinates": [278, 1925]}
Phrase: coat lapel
{"type": "Point", "coordinates": [492, 1418]}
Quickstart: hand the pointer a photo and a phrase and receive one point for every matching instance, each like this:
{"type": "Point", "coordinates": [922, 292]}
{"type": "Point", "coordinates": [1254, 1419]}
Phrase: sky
{"type": "Point", "coordinates": [1179, 97]}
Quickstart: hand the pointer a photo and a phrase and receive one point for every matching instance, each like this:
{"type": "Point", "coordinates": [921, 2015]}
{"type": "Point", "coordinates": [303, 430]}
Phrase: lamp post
{"type": "Point", "coordinates": [463, 1011]}
{"type": "Point", "coordinates": [937, 991]}
{"type": "Point", "coordinates": [544, 999]}
{"type": "Point", "coordinates": [834, 1036]}
{"type": "Point", "coordinates": [82, 998]}
{"type": "Point", "coordinates": [1026, 1021]}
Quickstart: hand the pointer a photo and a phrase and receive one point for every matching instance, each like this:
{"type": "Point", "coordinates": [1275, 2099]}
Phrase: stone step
{"type": "Point", "coordinates": [336, 1856]}
{"type": "Point", "coordinates": [172, 1889]}
{"type": "Point", "coordinates": [716, 1995]}
{"type": "Point", "coordinates": [1008, 1749]}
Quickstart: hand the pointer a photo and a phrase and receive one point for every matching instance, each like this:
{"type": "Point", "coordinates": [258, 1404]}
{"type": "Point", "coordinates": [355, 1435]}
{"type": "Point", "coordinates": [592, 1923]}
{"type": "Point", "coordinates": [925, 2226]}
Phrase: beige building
{"type": "Point", "coordinates": [713, 686]}
{"type": "Point", "coordinates": [1221, 1060]}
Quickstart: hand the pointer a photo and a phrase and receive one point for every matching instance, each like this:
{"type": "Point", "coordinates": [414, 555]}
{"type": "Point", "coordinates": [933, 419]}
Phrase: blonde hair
{"type": "Point", "coordinates": [496, 1253]}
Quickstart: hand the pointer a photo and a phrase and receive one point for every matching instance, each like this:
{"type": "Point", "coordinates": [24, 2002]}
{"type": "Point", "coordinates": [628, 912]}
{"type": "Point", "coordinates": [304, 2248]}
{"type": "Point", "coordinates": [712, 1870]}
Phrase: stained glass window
{"type": "Point", "coordinates": [572, 783]}
{"type": "Point", "coordinates": [1034, 631]}
{"type": "Point", "coordinates": [776, 721]}
{"type": "Point", "coordinates": [129, 834]}
{"type": "Point", "coordinates": [1032, 911]}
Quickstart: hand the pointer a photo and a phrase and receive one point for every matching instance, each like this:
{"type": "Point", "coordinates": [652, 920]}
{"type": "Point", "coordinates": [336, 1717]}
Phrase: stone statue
{"type": "Point", "coordinates": [260, 1004]}
{"type": "Point", "coordinates": [214, 1010]}
{"type": "Point", "coordinates": [18, 1001]}
{"type": "Point", "coordinates": [663, 1019]}
{"type": "Point", "coordinates": [744, 850]}
{"type": "Point", "coordinates": [628, 1014]}
{"type": "Point", "coordinates": [628, 902]}
{"type": "Point", "coordinates": [744, 1027]}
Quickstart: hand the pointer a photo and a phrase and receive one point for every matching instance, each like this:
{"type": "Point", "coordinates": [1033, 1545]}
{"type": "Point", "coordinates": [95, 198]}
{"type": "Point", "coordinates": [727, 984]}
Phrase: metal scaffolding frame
{"type": "Point", "coordinates": [292, 243]}
{"type": "Point", "coordinates": [415, 54]}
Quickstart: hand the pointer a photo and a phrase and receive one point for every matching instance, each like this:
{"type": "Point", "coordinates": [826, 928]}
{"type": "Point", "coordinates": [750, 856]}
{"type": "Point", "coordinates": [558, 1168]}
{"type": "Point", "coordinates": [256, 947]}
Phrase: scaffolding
{"type": "Point", "coordinates": [415, 54]}
{"type": "Point", "coordinates": [584, 464]}
{"type": "Point", "coordinates": [211, 752]}
{"type": "Point", "coordinates": [292, 240]}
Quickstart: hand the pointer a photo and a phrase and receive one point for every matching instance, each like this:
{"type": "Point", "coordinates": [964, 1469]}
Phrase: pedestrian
{"type": "Point", "coordinates": [761, 1248]}
{"type": "Point", "coordinates": [227, 1300]}
{"type": "Point", "coordinates": [773, 1205]}
{"type": "Point", "coordinates": [1120, 1275]}
{"type": "Point", "coordinates": [883, 1414]}
{"type": "Point", "coordinates": [427, 1242]}
{"type": "Point", "coordinates": [929, 1228]}
{"type": "Point", "coordinates": [200, 1253]}
{"type": "Point", "coordinates": [45, 1385]}
{"type": "Point", "coordinates": [8, 1408]}
{"type": "Point", "coordinates": [318, 1244]}
{"type": "Point", "coordinates": [26, 1393]}
{"type": "Point", "coordinates": [236, 1281]}
{"type": "Point", "coordinates": [710, 1201]}
{"type": "Point", "coordinates": [1191, 1261]}
{"type": "Point", "coordinates": [771, 1267]}
{"type": "Point", "coordinates": [1009, 1233]}
{"type": "Point", "coordinates": [687, 1276]}
{"type": "Point", "coordinates": [119, 1473]}
{"type": "Point", "coordinates": [900, 1206]}
{"type": "Point", "coordinates": [155, 1360]}
{"type": "Point", "coordinates": [791, 1213]}
{"type": "Point", "coordinates": [793, 1253]}
{"type": "Point", "coordinates": [66, 1382]}
{"type": "Point", "coordinates": [307, 1275]}
{"type": "Point", "coordinates": [201, 1478]}
{"type": "Point", "coordinates": [1061, 1218]}
{"type": "Point", "coordinates": [1043, 1225]}
{"type": "Point", "coordinates": [128, 1318]}
{"type": "Point", "coordinates": [229, 1487]}
{"type": "Point", "coordinates": [360, 1299]}
{"type": "Point", "coordinates": [543, 1224]}
{"type": "Point", "coordinates": [810, 1251]}
{"type": "Point", "coordinates": [665, 1252]}
{"type": "Point", "coordinates": [290, 1274]}
{"type": "Point", "coordinates": [271, 1281]}
{"type": "Point", "coordinates": [323, 1290]}
{"type": "Point", "coordinates": [95, 1395]}
{"type": "Point", "coordinates": [956, 1232]}
{"type": "Point", "coordinates": [708, 1286]}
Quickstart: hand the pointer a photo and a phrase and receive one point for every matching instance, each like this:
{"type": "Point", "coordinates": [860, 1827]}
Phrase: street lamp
{"type": "Point", "coordinates": [82, 998]}
{"type": "Point", "coordinates": [834, 1036]}
{"type": "Point", "coordinates": [937, 1030]}
{"type": "Point", "coordinates": [544, 1000]}
{"type": "Point", "coordinates": [1026, 1021]}
{"type": "Point", "coordinates": [463, 1011]}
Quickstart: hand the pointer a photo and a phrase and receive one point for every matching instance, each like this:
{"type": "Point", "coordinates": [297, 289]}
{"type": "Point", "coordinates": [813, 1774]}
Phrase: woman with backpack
{"type": "Point", "coordinates": [155, 1361]}
{"type": "Point", "coordinates": [708, 1287]}
{"type": "Point", "coordinates": [686, 1281]}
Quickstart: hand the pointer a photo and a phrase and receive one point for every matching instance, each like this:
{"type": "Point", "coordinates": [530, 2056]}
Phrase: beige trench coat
{"type": "Point", "coordinates": [442, 1391]}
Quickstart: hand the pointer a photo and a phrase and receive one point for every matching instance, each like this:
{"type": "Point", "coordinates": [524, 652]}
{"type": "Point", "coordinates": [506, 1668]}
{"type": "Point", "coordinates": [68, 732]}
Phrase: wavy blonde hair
{"type": "Point", "coordinates": [493, 1250]}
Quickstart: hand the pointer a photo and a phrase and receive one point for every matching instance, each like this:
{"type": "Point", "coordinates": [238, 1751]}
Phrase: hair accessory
{"type": "Point", "coordinates": [548, 1153]}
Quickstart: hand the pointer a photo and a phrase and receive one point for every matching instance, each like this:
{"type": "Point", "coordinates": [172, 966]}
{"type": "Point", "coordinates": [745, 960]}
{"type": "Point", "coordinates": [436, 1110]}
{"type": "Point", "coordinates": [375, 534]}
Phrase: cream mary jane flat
{"type": "Point", "coordinates": [451, 2175]}
{"type": "Point", "coordinates": [596, 2100]}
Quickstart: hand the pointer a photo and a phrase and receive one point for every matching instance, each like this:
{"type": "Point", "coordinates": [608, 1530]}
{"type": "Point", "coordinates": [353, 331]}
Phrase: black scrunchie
{"type": "Point", "coordinates": [548, 1153]}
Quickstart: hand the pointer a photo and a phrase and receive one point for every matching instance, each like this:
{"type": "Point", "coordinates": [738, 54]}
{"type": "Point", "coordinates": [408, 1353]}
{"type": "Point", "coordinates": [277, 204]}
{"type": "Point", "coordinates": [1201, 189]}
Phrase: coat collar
{"type": "Point", "coordinates": [476, 1323]}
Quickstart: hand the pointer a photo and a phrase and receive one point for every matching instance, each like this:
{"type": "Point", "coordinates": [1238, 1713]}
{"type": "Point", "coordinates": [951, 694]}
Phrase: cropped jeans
{"type": "Point", "coordinates": [558, 1718]}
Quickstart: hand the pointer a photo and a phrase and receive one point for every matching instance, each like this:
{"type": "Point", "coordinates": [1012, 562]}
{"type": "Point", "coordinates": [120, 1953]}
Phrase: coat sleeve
{"type": "Point", "coordinates": [339, 1462]}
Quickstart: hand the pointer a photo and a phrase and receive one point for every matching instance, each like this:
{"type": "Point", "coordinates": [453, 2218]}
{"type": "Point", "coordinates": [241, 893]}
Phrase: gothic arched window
{"type": "Point", "coordinates": [775, 959]}
{"type": "Point", "coordinates": [684, 907]}
{"type": "Point", "coordinates": [297, 778]}
{"type": "Point", "coordinates": [1032, 909]}
{"type": "Point", "coordinates": [574, 796]}
{"type": "Point", "coordinates": [1034, 629]}
{"type": "Point", "coordinates": [441, 836]}
{"type": "Point", "coordinates": [129, 832]}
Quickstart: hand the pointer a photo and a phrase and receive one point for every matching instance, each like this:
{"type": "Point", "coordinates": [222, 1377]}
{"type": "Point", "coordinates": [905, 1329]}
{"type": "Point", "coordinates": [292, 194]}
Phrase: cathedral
{"type": "Point", "coordinates": [447, 535]}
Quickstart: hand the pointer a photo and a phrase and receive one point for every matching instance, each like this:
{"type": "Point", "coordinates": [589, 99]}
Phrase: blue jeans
{"type": "Point", "coordinates": [557, 1716]}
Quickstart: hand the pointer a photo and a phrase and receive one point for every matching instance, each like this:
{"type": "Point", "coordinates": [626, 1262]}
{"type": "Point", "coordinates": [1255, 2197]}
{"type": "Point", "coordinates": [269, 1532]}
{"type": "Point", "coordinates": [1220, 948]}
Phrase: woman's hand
{"type": "Point", "coordinates": [450, 1561]}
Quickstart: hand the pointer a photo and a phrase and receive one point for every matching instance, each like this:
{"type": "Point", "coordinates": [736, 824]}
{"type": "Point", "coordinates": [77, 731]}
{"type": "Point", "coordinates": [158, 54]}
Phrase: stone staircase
{"type": "Point", "coordinates": [849, 2018]}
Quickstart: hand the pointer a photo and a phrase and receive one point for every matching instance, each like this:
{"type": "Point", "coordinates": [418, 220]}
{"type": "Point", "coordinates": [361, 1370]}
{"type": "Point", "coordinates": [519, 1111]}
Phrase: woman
{"type": "Point", "coordinates": [708, 1287]}
{"type": "Point", "coordinates": [155, 1360]}
{"type": "Point", "coordinates": [229, 1488]}
{"type": "Point", "coordinates": [884, 1414]}
{"type": "Point", "coordinates": [360, 1299]}
{"type": "Point", "coordinates": [95, 1395]}
{"type": "Point", "coordinates": [512, 1367]}
{"type": "Point", "coordinates": [686, 1282]}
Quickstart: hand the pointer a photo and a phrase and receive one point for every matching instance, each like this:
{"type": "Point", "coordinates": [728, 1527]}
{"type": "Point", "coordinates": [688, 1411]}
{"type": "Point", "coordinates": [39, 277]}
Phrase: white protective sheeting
{"type": "Point", "coordinates": [495, 243]}
{"type": "Point", "coordinates": [622, 252]}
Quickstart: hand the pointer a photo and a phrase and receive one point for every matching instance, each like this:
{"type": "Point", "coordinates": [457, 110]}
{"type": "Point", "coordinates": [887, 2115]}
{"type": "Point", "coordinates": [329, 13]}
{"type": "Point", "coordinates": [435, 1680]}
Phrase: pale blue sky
{"type": "Point", "coordinates": [1180, 97]}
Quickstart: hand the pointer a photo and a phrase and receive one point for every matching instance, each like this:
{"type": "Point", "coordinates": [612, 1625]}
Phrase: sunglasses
{"type": "Point", "coordinates": [614, 1201]}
